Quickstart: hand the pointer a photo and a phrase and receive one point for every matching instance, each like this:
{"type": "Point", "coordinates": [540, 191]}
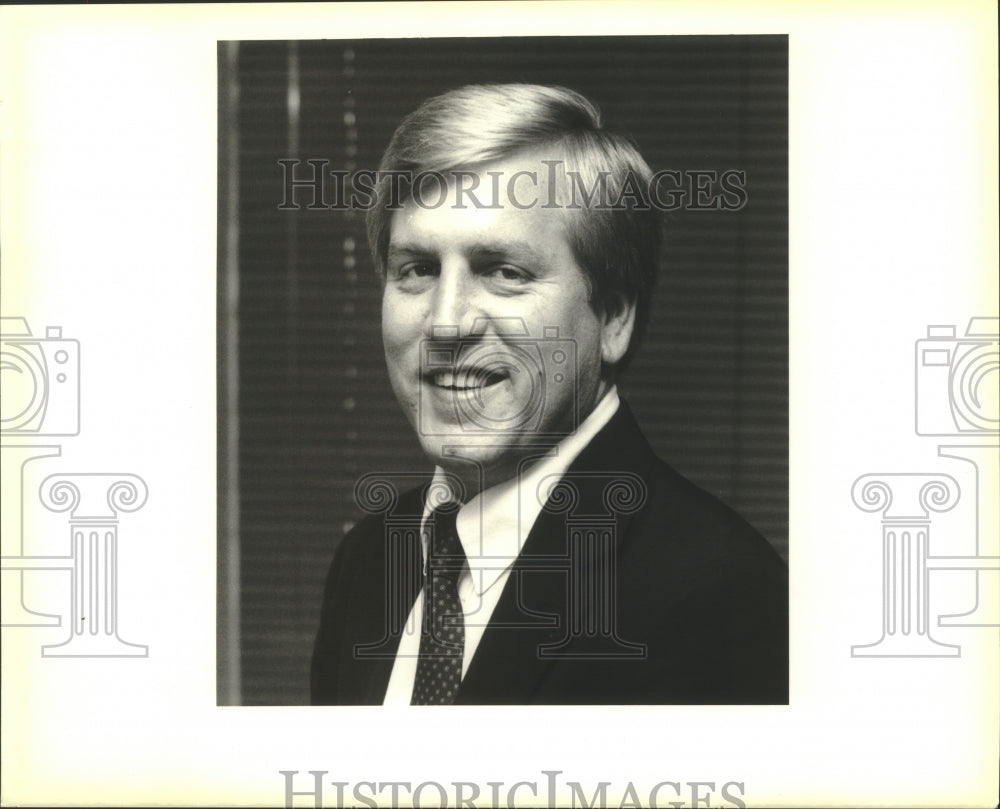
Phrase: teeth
{"type": "Point", "coordinates": [464, 380]}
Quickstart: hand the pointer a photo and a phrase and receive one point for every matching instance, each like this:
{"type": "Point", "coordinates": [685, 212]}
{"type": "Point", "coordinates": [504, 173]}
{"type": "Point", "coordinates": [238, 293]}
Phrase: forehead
{"type": "Point", "coordinates": [513, 202]}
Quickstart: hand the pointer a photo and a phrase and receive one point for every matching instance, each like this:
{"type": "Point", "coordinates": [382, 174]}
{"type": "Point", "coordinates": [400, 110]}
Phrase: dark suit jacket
{"type": "Point", "coordinates": [694, 601]}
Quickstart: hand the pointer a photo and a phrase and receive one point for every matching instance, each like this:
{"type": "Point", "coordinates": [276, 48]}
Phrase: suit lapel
{"type": "Point", "coordinates": [529, 615]}
{"type": "Point", "coordinates": [532, 617]}
{"type": "Point", "coordinates": [386, 588]}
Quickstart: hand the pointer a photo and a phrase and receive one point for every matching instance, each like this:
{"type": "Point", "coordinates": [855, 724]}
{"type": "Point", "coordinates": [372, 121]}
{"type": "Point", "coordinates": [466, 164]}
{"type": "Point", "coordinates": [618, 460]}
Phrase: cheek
{"type": "Point", "coordinates": [393, 345]}
{"type": "Point", "coordinates": [586, 330]}
{"type": "Point", "coordinates": [400, 323]}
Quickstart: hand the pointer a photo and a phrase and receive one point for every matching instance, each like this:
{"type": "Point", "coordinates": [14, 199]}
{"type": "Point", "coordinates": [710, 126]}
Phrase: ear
{"type": "Point", "coordinates": [618, 321]}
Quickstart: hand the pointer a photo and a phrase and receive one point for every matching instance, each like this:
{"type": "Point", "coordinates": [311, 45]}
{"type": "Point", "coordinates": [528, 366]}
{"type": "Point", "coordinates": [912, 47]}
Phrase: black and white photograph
{"type": "Point", "coordinates": [613, 329]}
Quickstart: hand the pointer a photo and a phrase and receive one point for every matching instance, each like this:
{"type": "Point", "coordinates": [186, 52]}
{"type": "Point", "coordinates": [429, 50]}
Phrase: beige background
{"type": "Point", "coordinates": [893, 226]}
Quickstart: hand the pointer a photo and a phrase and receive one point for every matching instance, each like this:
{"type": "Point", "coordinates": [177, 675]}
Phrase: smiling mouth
{"type": "Point", "coordinates": [473, 380]}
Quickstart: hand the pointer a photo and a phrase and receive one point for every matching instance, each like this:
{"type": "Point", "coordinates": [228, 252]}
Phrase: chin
{"type": "Point", "coordinates": [475, 459]}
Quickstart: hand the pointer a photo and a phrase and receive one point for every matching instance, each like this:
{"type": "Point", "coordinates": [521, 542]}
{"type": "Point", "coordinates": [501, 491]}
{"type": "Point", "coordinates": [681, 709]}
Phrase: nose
{"type": "Point", "coordinates": [453, 301]}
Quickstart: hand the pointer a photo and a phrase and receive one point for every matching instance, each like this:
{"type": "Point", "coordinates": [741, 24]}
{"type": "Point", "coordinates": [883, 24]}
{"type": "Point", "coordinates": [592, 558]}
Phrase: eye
{"type": "Point", "coordinates": [418, 269]}
{"type": "Point", "coordinates": [508, 275]}
{"type": "Point", "coordinates": [413, 276]}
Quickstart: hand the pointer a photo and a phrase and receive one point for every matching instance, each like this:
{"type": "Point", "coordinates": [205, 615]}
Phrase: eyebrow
{"type": "Point", "coordinates": [512, 249]}
{"type": "Point", "coordinates": [406, 251]}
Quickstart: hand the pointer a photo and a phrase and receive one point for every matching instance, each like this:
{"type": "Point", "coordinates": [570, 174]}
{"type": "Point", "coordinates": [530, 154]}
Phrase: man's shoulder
{"type": "Point", "coordinates": [684, 517]}
{"type": "Point", "coordinates": [388, 504]}
{"type": "Point", "coordinates": [698, 521]}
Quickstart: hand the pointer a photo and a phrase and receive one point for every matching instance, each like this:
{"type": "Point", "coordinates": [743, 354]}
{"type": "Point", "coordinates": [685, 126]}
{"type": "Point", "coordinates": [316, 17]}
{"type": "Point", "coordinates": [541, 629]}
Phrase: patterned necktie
{"type": "Point", "coordinates": [442, 639]}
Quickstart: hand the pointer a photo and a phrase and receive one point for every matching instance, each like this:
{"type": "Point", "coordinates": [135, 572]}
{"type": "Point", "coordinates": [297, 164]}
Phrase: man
{"type": "Point", "coordinates": [552, 558]}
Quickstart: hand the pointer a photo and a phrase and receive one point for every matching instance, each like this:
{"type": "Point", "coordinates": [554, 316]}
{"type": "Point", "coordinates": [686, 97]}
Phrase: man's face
{"type": "Point", "coordinates": [491, 343]}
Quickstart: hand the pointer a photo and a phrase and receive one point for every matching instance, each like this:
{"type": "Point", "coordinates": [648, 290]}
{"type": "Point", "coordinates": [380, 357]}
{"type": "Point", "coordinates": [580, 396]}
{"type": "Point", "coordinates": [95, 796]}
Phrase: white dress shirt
{"type": "Point", "coordinates": [492, 527]}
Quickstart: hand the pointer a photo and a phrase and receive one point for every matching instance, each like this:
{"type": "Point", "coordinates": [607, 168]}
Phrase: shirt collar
{"type": "Point", "coordinates": [494, 524]}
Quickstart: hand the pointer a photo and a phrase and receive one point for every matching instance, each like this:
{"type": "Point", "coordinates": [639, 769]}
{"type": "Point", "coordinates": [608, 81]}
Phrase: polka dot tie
{"type": "Point", "coordinates": [442, 639]}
